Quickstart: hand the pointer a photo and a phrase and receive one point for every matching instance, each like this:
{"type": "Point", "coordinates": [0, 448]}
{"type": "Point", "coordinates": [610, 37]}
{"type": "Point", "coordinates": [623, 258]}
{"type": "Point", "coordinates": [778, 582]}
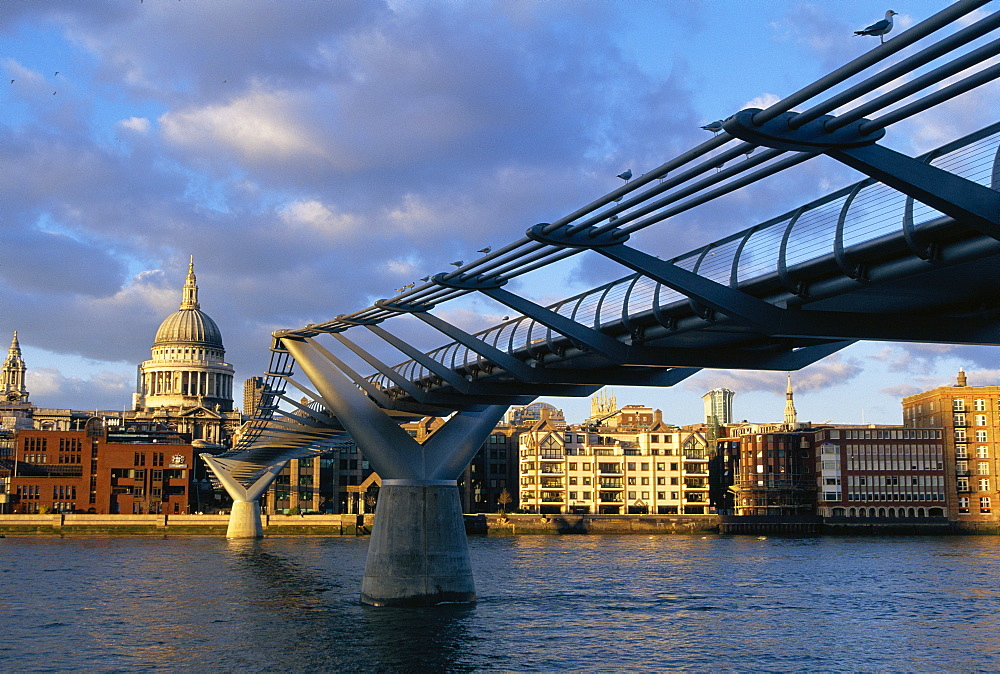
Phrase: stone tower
{"type": "Point", "coordinates": [12, 375]}
{"type": "Point", "coordinates": [791, 417]}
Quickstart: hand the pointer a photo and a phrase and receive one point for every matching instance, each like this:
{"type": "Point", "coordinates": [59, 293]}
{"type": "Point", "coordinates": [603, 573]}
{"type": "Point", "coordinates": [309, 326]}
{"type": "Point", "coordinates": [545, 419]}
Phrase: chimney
{"type": "Point", "coordinates": [657, 417]}
{"type": "Point", "coordinates": [961, 378]}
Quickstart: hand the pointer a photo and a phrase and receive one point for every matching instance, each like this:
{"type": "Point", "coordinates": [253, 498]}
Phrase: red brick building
{"type": "Point", "coordinates": [137, 470]}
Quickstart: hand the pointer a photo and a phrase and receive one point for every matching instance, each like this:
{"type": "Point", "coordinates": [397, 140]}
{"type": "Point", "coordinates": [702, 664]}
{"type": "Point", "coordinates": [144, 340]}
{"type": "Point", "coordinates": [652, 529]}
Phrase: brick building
{"type": "Point", "coordinates": [136, 470]}
{"type": "Point", "coordinates": [969, 419]}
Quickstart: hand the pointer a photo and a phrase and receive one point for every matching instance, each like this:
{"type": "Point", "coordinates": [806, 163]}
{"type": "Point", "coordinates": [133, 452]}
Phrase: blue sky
{"type": "Point", "coordinates": [315, 155]}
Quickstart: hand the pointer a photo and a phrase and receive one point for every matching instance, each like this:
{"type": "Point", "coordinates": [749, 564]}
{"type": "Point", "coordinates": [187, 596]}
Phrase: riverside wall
{"type": "Point", "coordinates": [178, 525]}
{"type": "Point", "coordinates": [491, 525]}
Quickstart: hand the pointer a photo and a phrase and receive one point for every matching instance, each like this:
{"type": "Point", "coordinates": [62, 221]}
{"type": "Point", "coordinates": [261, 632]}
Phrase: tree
{"type": "Point", "coordinates": [504, 499]}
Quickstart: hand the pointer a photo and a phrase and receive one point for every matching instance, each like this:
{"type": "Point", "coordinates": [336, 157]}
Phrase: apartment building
{"type": "Point", "coordinates": [969, 420]}
{"type": "Point", "coordinates": [635, 464]}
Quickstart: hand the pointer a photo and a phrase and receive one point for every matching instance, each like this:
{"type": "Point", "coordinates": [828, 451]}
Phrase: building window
{"type": "Point", "coordinates": [979, 404]}
{"type": "Point", "coordinates": [981, 436]}
{"type": "Point", "coordinates": [984, 484]}
{"type": "Point", "coordinates": [984, 504]}
{"type": "Point", "coordinates": [958, 405]}
{"type": "Point", "coordinates": [983, 468]}
{"type": "Point", "coordinates": [980, 420]}
{"type": "Point", "coordinates": [963, 504]}
{"type": "Point", "coordinates": [982, 452]}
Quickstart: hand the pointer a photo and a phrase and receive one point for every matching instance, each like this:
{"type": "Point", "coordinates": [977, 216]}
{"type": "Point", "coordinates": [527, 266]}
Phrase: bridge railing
{"type": "Point", "coordinates": [834, 224]}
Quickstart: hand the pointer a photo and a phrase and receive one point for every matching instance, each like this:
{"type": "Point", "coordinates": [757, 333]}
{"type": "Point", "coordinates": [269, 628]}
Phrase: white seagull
{"type": "Point", "coordinates": [714, 127]}
{"type": "Point", "coordinates": [879, 28]}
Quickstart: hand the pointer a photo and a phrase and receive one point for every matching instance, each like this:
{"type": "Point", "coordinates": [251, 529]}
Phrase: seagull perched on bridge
{"type": "Point", "coordinates": [879, 28]}
{"type": "Point", "coordinates": [425, 279]}
{"type": "Point", "coordinates": [714, 127]}
{"type": "Point", "coordinates": [485, 250]}
{"type": "Point", "coordinates": [457, 263]}
{"type": "Point", "coordinates": [626, 175]}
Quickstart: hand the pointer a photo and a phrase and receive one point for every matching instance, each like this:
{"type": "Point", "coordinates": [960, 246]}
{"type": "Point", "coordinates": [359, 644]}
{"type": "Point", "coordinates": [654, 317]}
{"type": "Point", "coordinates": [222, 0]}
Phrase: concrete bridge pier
{"type": "Point", "coordinates": [244, 518]}
{"type": "Point", "coordinates": [418, 554]}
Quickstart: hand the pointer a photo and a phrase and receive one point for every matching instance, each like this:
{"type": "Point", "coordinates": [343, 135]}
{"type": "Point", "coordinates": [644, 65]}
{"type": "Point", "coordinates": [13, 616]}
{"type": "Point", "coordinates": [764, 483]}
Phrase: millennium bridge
{"type": "Point", "coordinates": [910, 253]}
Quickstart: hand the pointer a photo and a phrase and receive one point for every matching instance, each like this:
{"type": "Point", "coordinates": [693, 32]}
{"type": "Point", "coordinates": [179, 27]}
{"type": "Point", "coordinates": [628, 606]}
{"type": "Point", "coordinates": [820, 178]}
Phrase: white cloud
{"type": "Point", "coordinates": [313, 216]}
{"type": "Point", "coordinates": [819, 376]}
{"type": "Point", "coordinates": [49, 387]}
{"type": "Point", "coordinates": [258, 127]}
{"type": "Point", "coordinates": [763, 101]}
{"type": "Point", "coordinates": [137, 124]}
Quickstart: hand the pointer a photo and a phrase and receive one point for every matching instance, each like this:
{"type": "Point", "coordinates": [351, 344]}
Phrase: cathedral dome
{"type": "Point", "coordinates": [188, 326]}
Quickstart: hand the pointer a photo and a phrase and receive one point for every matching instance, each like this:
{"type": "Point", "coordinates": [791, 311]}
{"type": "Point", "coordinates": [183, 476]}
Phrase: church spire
{"type": "Point", "coordinates": [190, 298]}
{"type": "Point", "coordinates": [791, 417]}
{"type": "Point", "coordinates": [12, 374]}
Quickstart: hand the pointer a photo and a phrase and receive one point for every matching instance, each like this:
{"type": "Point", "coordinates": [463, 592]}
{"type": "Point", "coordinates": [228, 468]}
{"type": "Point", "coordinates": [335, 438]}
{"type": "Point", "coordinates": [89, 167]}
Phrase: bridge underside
{"type": "Point", "coordinates": [952, 297]}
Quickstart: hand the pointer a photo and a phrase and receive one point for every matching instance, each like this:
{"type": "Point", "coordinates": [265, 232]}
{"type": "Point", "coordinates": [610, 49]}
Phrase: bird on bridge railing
{"type": "Point", "coordinates": [486, 250]}
{"type": "Point", "coordinates": [425, 279]}
{"type": "Point", "coordinates": [879, 28]}
{"type": "Point", "coordinates": [457, 263]}
{"type": "Point", "coordinates": [714, 127]}
{"type": "Point", "coordinates": [626, 175]}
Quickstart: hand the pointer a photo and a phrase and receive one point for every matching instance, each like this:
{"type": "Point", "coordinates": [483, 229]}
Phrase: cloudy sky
{"type": "Point", "coordinates": [314, 155]}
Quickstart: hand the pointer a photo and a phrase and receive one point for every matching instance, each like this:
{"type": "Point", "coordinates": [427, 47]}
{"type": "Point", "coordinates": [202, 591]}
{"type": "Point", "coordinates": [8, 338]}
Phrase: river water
{"type": "Point", "coordinates": [545, 603]}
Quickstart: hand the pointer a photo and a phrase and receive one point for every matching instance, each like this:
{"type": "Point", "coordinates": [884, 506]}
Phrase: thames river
{"type": "Point", "coordinates": [545, 603]}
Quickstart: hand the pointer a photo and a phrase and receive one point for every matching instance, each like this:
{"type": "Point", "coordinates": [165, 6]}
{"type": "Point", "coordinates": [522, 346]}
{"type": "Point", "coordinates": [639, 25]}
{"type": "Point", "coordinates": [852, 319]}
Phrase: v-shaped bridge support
{"type": "Point", "coordinates": [244, 519]}
{"type": "Point", "coordinates": [418, 554]}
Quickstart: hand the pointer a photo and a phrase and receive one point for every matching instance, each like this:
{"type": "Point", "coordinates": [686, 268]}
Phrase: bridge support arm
{"type": "Point", "coordinates": [418, 553]}
{"type": "Point", "coordinates": [244, 518]}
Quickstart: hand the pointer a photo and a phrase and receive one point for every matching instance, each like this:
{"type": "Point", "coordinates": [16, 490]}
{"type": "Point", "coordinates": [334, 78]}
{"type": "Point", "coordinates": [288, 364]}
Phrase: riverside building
{"type": "Point", "coordinates": [969, 419]}
{"type": "Point", "coordinates": [133, 470]}
{"type": "Point", "coordinates": [635, 464]}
